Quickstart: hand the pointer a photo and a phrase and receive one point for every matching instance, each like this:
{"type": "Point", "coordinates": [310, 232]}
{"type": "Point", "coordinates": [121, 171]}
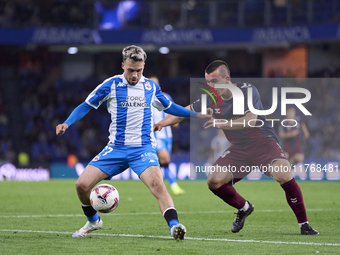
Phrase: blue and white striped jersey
{"type": "Point", "coordinates": [157, 117]}
{"type": "Point", "coordinates": [130, 109]}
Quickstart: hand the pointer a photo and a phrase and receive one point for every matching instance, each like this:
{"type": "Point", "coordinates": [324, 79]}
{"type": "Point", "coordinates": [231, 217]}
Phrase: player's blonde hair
{"type": "Point", "coordinates": [134, 53]}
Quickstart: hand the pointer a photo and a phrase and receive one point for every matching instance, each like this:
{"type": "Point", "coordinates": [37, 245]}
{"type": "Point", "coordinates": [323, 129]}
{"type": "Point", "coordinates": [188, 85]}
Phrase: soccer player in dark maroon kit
{"type": "Point", "coordinates": [253, 143]}
{"type": "Point", "coordinates": [291, 137]}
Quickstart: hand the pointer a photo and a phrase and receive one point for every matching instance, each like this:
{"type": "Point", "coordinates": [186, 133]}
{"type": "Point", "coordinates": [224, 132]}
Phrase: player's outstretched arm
{"type": "Point", "coordinates": [305, 130]}
{"type": "Point", "coordinates": [170, 119]}
{"type": "Point", "coordinates": [79, 112]}
{"type": "Point", "coordinates": [208, 115]}
{"type": "Point", "coordinates": [180, 111]}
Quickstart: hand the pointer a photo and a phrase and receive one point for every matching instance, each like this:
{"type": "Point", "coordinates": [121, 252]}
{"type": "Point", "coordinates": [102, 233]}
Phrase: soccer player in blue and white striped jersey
{"type": "Point", "coordinates": [164, 146]}
{"type": "Point", "coordinates": [128, 98]}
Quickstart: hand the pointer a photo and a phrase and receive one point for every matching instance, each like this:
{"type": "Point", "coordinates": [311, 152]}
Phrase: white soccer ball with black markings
{"type": "Point", "coordinates": [104, 198]}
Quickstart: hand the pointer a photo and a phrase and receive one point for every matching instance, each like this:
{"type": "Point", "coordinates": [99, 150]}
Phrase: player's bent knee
{"type": "Point", "coordinates": [81, 187]}
{"type": "Point", "coordinates": [215, 183]}
{"type": "Point", "coordinates": [283, 180]}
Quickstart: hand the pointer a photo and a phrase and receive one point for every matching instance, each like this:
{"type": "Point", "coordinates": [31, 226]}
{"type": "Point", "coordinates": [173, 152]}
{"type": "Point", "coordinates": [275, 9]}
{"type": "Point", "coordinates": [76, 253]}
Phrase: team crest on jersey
{"type": "Point", "coordinates": [213, 95]}
{"type": "Point", "coordinates": [147, 85]}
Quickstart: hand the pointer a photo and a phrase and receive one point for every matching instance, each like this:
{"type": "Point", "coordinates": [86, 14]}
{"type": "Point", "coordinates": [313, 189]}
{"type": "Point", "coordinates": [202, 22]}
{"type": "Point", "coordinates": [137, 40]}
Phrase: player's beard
{"type": "Point", "coordinates": [133, 82]}
{"type": "Point", "coordinates": [220, 92]}
{"type": "Point", "coordinates": [223, 93]}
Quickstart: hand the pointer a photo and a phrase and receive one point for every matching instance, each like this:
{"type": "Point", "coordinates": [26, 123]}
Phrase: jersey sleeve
{"type": "Point", "coordinates": [161, 101]}
{"type": "Point", "coordinates": [168, 97]}
{"type": "Point", "coordinates": [180, 111]}
{"type": "Point", "coordinates": [256, 100]}
{"type": "Point", "coordinates": [79, 112]}
{"type": "Point", "coordinates": [100, 94]}
{"type": "Point", "coordinates": [196, 106]}
{"type": "Point", "coordinates": [154, 109]}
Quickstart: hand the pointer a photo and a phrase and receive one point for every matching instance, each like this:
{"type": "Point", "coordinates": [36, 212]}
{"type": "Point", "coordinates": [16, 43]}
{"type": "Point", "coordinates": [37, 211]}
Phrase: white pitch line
{"type": "Point", "coordinates": [153, 213]}
{"type": "Point", "coordinates": [168, 237]}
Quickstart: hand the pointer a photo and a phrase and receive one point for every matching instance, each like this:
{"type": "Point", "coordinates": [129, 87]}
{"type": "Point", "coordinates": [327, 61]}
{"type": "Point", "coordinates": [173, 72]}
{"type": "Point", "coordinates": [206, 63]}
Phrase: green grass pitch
{"type": "Point", "coordinates": [40, 217]}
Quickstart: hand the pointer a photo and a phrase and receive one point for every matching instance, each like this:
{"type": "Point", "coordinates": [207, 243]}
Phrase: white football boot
{"type": "Point", "coordinates": [178, 231]}
{"type": "Point", "coordinates": [88, 228]}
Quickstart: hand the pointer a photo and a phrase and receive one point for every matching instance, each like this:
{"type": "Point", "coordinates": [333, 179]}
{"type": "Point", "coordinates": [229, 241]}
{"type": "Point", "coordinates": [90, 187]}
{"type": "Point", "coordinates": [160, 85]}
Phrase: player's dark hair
{"type": "Point", "coordinates": [224, 71]}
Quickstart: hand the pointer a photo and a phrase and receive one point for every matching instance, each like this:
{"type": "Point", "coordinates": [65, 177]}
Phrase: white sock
{"type": "Point", "coordinates": [300, 224]}
{"type": "Point", "coordinates": [245, 207]}
{"type": "Point", "coordinates": [174, 184]}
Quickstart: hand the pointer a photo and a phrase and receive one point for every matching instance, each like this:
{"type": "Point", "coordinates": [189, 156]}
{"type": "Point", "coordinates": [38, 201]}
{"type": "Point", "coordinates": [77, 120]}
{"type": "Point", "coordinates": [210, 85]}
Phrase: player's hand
{"type": "Point", "coordinates": [61, 128]}
{"type": "Point", "coordinates": [205, 116]}
{"type": "Point", "coordinates": [209, 123]}
{"type": "Point", "coordinates": [157, 127]}
{"type": "Point", "coordinates": [212, 122]}
{"type": "Point", "coordinates": [210, 111]}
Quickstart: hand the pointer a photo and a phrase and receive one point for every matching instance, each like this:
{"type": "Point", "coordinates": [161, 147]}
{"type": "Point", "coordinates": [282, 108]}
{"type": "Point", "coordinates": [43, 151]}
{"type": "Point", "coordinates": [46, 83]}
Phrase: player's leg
{"type": "Point", "coordinates": [153, 179]}
{"type": "Point", "coordinates": [164, 147]}
{"type": "Point", "coordinates": [281, 172]}
{"type": "Point", "coordinates": [86, 181]}
{"type": "Point", "coordinates": [296, 158]}
{"type": "Point", "coordinates": [273, 155]}
{"type": "Point", "coordinates": [144, 162]}
{"type": "Point", "coordinates": [226, 172]}
{"type": "Point", "coordinates": [164, 160]}
{"type": "Point", "coordinates": [220, 182]}
{"type": "Point", "coordinates": [109, 162]}
{"type": "Point", "coordinates": [221, 185]}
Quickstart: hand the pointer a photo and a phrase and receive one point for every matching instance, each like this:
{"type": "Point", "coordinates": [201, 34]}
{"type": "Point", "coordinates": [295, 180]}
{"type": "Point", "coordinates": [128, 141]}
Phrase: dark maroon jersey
{"type": "Point", "coordinates": [292, 145]}
{"type": "Point", "coordinates": [241, 137]}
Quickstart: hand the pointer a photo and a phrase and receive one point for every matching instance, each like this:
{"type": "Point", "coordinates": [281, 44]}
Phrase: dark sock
{"type": "Point", "coordinates": [165, 165]}
{"type": "Point", "coordinates": [90, 213]}
{"type": "Point", "coordinates": [167, 174]}
{"type": "Point", "coordinates": [171, 217]}
{"type": "Point", "coordinates": [295, 200]}
{"type": "Point", "coordinates": [229, 195]}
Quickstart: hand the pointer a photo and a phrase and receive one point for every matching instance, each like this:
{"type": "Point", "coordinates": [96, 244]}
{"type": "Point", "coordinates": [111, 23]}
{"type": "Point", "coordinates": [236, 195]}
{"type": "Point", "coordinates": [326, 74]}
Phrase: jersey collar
{"type": "Point", "coordinates": [142, 79]}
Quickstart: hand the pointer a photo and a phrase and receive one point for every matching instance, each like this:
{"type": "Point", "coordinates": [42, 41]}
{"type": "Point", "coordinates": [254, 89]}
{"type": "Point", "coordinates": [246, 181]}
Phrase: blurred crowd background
{"type": "Point", "coordinates": [41, 90]}
{"type": "Point", "coordinates": [110, 14]}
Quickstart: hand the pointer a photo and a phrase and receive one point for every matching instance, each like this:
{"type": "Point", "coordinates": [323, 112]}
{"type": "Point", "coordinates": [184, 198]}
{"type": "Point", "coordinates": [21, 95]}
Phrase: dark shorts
{"type": "Point", "coordinates": [240, 161]}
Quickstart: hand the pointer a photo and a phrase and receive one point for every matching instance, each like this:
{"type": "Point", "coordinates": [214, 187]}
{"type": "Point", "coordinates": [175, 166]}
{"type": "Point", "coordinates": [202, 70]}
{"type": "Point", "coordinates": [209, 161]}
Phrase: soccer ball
{"type": "Point", "coordinates": [104, 198]}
